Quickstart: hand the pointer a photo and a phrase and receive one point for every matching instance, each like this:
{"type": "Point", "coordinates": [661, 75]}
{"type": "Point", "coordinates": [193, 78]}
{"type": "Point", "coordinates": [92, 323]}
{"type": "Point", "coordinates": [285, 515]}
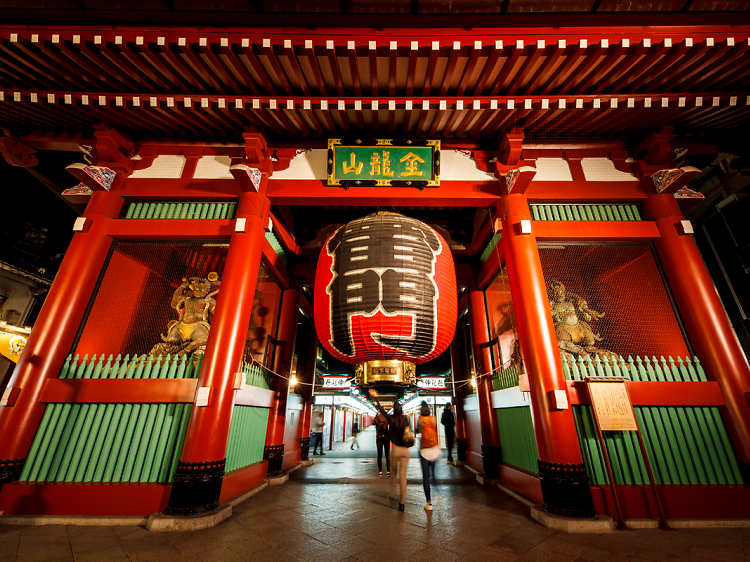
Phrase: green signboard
{"type": "Point", "coordinates": [384, 162]}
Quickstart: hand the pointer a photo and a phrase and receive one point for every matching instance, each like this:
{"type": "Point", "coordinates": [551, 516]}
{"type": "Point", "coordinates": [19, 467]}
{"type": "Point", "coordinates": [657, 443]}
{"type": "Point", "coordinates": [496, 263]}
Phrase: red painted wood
{"type": "Point", "coordinates": [286, 335]}
{"type": "Point", "coordinates": [706, 322]}
{"type": "Point", "coordinates": [146, 229]}
{"type": "Point", "coordinates": [274, 263]}
{"type": "Point", "coordinates": [57, 325]}
{"type": "Point", "coordinates": [30, 498]}
{"type": "Point", "coordinates": [473, 433]}
{"type": "Point", "coordinates": [641, 231]}
{"type": "Point", "coordinates": [450, 193]}
{"type": "Point", "coordinates": [648, 393]}
{"type": "Point", "coordinates": [241, 480]}
{"type": "Point", "coordinates": [166, 189]}
{"type": "Point", "coordinates": [208, 429]}
{"type": "Point", "coordinates": [581, 189]}
{"type": "Point", "coordinates": [522, 482]}
{"type": "Point", "coordinates": [480, 335]}
{"type": "Point", "coordinates": [491, 267]}
{"type": "Point", "coordinates": [555, 430]}
{"type": "Point", "coordinates": [118, 391]}
{"type": "Point", "coordinates": [254, 396]}
{"type": "Point", "coordinates": [681, 502]}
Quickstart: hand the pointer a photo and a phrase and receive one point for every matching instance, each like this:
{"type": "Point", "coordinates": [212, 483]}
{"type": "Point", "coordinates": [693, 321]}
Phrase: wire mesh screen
{"type": "Point", "coordinates": [610, 300]}
{"type": "Point", "coordinates": [263, 320]}
{"type": "Point", "coordinates": [502, 321]}
{"type": "Point", "coordinates": [152, 291]}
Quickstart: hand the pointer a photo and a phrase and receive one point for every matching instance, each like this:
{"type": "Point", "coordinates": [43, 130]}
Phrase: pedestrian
{"type": "Point", "coordinates": [317, 433]}
{"type": "Point", "coordinates": [429, 449]}
{"type": "Point", "coordinates": [382, 443]}
{"type": "Point", "coordinates": [449, 423]}
{"type": "Point", "coordinates": [401, 437]}
{"type": "Point", "coordinates": [355, 432]}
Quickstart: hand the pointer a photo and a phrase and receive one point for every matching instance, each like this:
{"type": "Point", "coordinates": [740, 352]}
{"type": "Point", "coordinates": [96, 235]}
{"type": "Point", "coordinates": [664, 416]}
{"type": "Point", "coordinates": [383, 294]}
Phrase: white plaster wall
{"type": "Point", "coordinates": [163, 167]}
{"type": "Point", "coordinates": [213, 168]}
{"type": "Point", "coordinates": [552, 169]}
{"type": "Point", "coordinates": [603, 169]}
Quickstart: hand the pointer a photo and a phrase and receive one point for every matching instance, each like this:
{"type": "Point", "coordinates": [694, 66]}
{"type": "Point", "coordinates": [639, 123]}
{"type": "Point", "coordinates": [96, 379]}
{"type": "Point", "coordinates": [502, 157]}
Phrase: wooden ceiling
{"type": "Point", "coordinates": [211, 83]}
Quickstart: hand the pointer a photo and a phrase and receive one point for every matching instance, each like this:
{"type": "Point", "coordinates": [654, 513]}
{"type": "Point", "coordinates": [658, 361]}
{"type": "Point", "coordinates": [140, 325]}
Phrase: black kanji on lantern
{"type": "Point", "coordinates": [384, 262]}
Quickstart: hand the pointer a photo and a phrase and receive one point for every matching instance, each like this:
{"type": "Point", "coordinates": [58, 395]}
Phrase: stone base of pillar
{"type": "Point", "coordinates": [274, 454]}
{"type": "Point", "coordinates": [196, 487]}
{"type": "Point", "coordinates": [304, 448]}
{"type": "Point", "coordinates": [565, 489]}
{"type": "Point", "coordinates": [461, 446]}
{"type": "Point", "coordinates": [10, 470]}
{"type": "Point", "coordinates": [491, 459]}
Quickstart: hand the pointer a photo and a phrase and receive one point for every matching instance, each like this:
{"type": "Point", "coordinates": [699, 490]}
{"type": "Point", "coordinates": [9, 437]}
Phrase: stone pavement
{"type": "Point", "coordinates": [338, 509]}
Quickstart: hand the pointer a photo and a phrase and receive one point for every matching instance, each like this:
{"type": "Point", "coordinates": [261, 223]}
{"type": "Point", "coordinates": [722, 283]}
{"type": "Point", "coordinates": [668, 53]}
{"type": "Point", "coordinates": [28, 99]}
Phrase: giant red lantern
{"type": "Point", "coordinates": [385, 296]}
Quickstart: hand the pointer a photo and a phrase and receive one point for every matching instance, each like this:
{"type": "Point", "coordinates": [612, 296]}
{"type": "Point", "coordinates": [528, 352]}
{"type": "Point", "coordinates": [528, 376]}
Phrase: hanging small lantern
{"type": "Point", "coordinates": [385, 297]}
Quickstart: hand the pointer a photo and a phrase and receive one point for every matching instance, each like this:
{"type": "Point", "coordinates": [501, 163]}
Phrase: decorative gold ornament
{"type": "Point", "coordinates": [401, 373]}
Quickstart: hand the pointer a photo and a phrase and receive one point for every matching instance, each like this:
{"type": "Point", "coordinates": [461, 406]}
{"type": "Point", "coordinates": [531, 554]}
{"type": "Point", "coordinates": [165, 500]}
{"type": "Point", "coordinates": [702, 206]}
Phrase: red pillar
{"type": "Point", "coordinates": [198, 478]}
{"type": "Point", "coordinates": [458, 374]}
{"type": "Point", "coordinates": [565, 484]}
{"type": "Point", "coordinates": [287, 332]}
{"type": "Point", "coordinates": [55, 331]}
{"type": "Point", "coordinates": [711, 335]}
{"type": "Point", "coordinates": [480, 335]}
{"type": "Point", "coordinates": [307, 380]}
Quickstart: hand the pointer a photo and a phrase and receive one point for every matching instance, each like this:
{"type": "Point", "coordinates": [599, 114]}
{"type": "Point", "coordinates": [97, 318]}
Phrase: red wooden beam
{"type": "Point", "coordinates": [651, 393]}
{"type": "Point", "coordinates": [595, 231]}
{"type": "Point", "coordinates": [144, 229]}
{"type": "Point", "coordinates": [315, 193]}
{"type": "Point", "coordinates": [119, 391]}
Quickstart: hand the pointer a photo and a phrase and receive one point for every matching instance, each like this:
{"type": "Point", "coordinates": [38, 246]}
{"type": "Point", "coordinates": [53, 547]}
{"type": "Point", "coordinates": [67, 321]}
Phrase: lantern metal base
{"type": "Point", "coordinates": [401, 373]}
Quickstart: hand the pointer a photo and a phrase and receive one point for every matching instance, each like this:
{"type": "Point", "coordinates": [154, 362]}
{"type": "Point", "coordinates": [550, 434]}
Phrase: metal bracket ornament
{"type": "Point", "coordinates": [664, 178]}
{"type": "Point", "coordinates": [249, 178]}
{"type": "Point", "coordinates": [97, 178]}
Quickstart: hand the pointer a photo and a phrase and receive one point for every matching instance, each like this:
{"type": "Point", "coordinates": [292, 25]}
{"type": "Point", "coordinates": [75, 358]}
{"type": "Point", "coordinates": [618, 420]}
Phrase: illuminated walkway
{"type": "Point", "coordinates": [338, 509]}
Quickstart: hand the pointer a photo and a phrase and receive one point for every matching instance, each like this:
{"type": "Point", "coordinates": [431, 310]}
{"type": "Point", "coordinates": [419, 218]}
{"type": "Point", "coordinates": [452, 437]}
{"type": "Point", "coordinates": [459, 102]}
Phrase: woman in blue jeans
{"type": "Point", "coordinates": [429, 450]}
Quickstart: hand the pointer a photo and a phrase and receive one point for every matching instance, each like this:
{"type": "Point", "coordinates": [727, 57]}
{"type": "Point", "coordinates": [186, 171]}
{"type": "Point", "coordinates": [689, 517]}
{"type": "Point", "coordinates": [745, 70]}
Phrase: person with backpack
{"type": "Point", "coordinates": [401, 437]}
{"type": "Point", "coordinates": [382, 443]}
{"type": "Point", "coordinates": [429, 449]}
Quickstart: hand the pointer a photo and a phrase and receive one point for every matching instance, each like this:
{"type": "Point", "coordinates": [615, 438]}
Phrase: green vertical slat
{"type": "Point", "coordinates": [190, 211]}
{"type": "Point", "coordinates": [175, 417]}
{"type": "Point", "coordinates": [43, 433]}
{"type": "Point", "coordinates": [61, 463]}
{"type": "Point", "coordinates": [626, 210]}
{"type": "Point", "coordinates": [648, 433]}
{"type": "Point", "coordinates": [569, 212]}
{"type": "Point", "coordinates": [535, 212]}
{"type": "Point", "coordinates": [131, 209]}
{"type": "Point", "coordinates": [170, 211]}
{"type": "Point", "coordinates": [203, 210]}
{"type": "Point", "coordinates": [180, 440]}
{"type": "Point", "coordinates": [618, 213]}
{"type": "Point", "coordinates": [230, 212]}
{"type": "Point", "coordinates": [151, 210]}
{"type": "Point", "coordinates": [164, 210]}
{"type": "Point", "coordinates": [136, 452]}
{"type": "Point", "coordinates": [58, 443]}
{"type": "Point", "coordinates": [636, 213]}
{"type": "Point", "coordinates": [607, 212]}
